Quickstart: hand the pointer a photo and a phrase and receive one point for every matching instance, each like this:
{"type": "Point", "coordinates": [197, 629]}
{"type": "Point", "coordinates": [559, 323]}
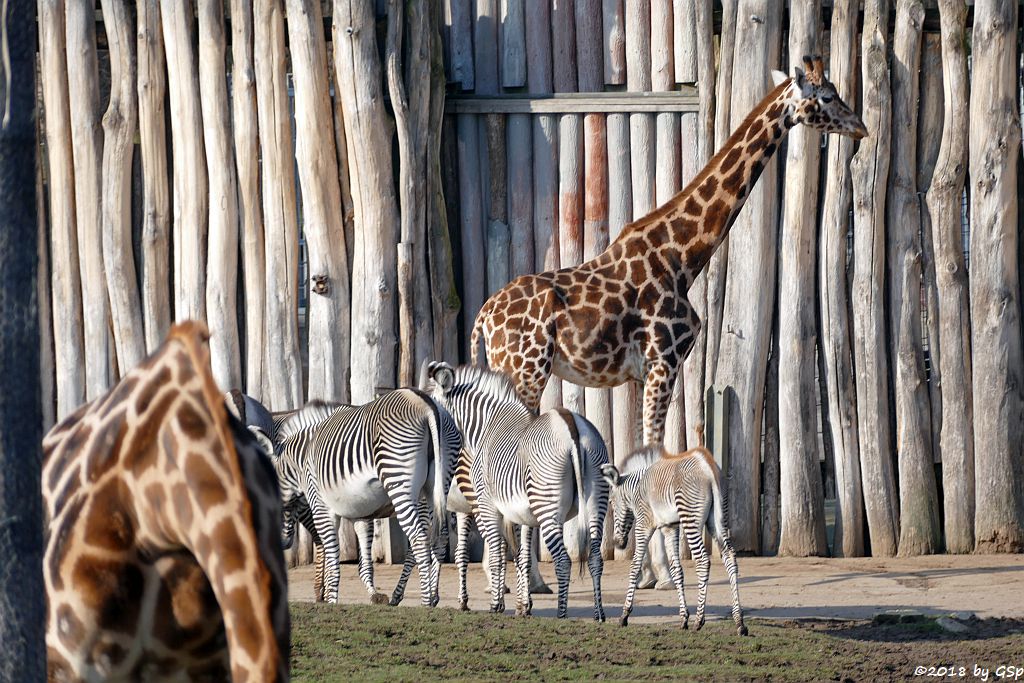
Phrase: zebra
{"type": "Point", "coordinates": [362, 463]}
{"type": "Point", "coordinates": [677, 489]}
{"type": "Point", "coordinates": [290, 458]}
{"type": "Point", "coordinates": [520, 468]}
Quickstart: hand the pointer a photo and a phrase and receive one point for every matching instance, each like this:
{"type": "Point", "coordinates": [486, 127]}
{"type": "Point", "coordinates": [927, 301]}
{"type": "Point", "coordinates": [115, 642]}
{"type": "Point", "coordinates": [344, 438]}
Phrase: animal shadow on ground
{"type": "Point", "coordinates": [910, 628]}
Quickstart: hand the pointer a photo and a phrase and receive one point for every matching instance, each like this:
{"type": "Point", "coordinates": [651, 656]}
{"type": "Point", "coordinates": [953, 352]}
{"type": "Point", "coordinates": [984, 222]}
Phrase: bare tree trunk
{"type": "Point", "coordinates": [956, 437]}
{"type": "Point", "coordinates": [834, 302]}
{"type": "Point", "coordinates": [87, 143]}
{"type": "Point", "coordinates": [156, 209]}
{"type": "Point", "coordinates": [995, 283]}
{"type": "Point", "coordinates": [284, 370]}
{"type": "Point", "coordinates": [222, 264]}
{"type": "Point", "coordinates": [190, 189]}
{"type": "Point", "coordinates": [22, 593]}
{"type": "Point", "coordinates": [247, 154]}
{"type": "Point", "coordinates": [376, 212]}
{"type": "Point", "coordinates": [69, 361]}
{"type": "Point", "coordinates": [328, 286]}
{"type": "Point", "coordinates": [919, 506]}
{"type": "Point", "coordinates": [869, 171]}
{"type": "Point", "coordinates": [743, 357]}
{"type": "Point", "coordinates": [802, 524]}
{"type": "Point", "coordinates": [771, 504]}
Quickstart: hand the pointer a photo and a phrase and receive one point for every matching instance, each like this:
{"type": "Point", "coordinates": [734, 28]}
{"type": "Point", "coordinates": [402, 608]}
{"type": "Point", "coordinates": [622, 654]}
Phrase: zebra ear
{"type": "Point", "coordinates": [444, 376]}
{"type": "Point", "coordinates": [611, 474]}
{"type": "Point", "coordinates": [264, 441]}
{"type": "Point", "coordinates": [424, 374]}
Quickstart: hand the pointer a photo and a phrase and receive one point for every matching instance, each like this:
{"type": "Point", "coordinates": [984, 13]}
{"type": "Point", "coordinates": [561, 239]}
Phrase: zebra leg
{"type": "Point", "coordinates": [462, 558]}
{"type": "Point", "coordinates": [323, 521]}
{"type": "Point", "coordinates": [695, 537]}
{"type": "Point", "coordinates": [551, 531]}
{"type": "Point", "coordinates": [596, 565]}
{"type": "Point", "coordinates": [403, 579]}
{"type": "Point", "coordinates": [364, 533]}
{"type": "Point", "coordinates": [524, 603]}
{"type": "Point", "coordinates": [642, 537]}
{"type": "Point", "coordinates": [318, 571]}
{"type": "Point", "coordinates": [406, 509]}
{"type": "Point", "coordinates": [729, 559]}
{"type": "Point", "coordinates": [490, 529]}
{"type": "Point", "coordinates": [670, 535]}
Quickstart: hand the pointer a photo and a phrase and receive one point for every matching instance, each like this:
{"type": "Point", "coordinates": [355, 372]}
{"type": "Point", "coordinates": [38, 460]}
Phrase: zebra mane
{"type": "Point", "coordinates": [642, 459]}
{"type": "Point", "coordinates": [314, 412]}
{"type": "Point", "coordinates": [495, 385]}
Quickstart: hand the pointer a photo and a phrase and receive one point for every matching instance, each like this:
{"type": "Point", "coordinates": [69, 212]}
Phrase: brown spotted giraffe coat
{"type": "Point", "coordinates": [624, 315]}
{"type": "Point", "coordinates": [163, 554]}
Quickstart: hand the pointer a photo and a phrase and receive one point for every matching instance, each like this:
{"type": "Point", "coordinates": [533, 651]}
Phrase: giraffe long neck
{"type": "Point", "coordinates": [687, 229]}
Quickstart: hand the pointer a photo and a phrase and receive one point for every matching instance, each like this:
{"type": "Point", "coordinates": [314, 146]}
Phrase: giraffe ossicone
{"type": "Point", "coordinates": [163, 557]}
{"type": "Point", "coordinates": [624, 315]}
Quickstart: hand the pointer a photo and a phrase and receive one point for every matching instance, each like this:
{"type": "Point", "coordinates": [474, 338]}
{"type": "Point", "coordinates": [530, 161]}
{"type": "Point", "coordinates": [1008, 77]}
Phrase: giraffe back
{"type": "Point", "coordinates": [163, 556]}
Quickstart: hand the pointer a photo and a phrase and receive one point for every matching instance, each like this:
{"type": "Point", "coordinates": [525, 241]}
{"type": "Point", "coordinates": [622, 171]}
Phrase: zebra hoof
{"type": "Point", "coordinates": [380, 599]}
{"type": "Point", "coordinates": [599, 617]}
{"type": "Point", "coordinates": [464, 607]}
{"type": "Point", "coordinates": [435, 601]}
{"type": "Point", "coordinates": [742, 630]}
{"type": "Point", "coordinates": [700, 624]}
{"type": "Point", "coordinates": [623, 620]}
{"type": "Point", "coordinates": [686, 624]}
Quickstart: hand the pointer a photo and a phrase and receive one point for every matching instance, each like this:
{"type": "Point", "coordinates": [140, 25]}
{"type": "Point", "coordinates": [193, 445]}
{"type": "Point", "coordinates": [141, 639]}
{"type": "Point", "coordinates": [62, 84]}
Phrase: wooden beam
{"type": "Point", "coordinates": [684, 100]}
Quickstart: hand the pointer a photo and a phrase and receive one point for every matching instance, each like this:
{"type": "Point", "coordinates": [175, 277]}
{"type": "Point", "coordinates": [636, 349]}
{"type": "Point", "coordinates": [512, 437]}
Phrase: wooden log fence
{"type": "Point", "coordinates": [534, 133]}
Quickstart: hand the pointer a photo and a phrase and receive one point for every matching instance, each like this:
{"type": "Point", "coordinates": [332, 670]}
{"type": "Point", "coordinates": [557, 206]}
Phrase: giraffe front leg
{"type": "Point", "coordinates": [670, 534]}
{"type": "Point", "coordinates": [642, 536]}
{"type": "Point", "coordinates": [364, 535]}
{"type": "Point", "coordinates": [658, 385]}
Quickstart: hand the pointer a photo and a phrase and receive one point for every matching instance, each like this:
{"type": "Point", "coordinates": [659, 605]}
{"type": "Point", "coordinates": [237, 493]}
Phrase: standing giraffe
{"type": "Point", "coordinates": [625, 314]}
{"type": "Point", "coordinates": [163, 549]}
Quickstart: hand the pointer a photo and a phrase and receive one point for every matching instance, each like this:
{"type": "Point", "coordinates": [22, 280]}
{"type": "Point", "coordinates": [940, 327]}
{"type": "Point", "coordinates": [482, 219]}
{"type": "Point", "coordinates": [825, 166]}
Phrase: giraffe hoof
{"type": "Point", "coordinates": [541, 589]}
{"type": "Point", "coordinates": [742, 630]}
{"type": "Point", "coordinates": [665, 585]}
{"type": "Point", "coordinates": [379, 599]}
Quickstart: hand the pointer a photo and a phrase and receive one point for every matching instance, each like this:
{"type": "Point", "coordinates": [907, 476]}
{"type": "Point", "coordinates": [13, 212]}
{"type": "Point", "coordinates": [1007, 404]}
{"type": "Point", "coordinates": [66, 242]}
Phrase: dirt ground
{"type": "Point", "coordinates": [987, 586]}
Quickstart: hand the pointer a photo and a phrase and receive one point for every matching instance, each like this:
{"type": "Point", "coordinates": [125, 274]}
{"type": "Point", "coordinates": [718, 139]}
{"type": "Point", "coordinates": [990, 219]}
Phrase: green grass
{"type": "Point", "coordinates": [374, 643]}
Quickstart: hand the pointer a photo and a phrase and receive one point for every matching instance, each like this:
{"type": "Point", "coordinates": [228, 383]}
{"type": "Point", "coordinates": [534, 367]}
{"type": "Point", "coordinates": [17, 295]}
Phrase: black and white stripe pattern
{"type": "Point", "coordinates": [675, 490]}
{"type": "Point", "coordinates": [365, 462]}
{"type": "Point", "coordinates": [519, 468]}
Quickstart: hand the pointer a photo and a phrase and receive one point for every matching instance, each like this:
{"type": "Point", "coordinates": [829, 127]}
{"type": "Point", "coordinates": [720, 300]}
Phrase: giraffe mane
{"type": "Point", "coordinates": [496, 385]}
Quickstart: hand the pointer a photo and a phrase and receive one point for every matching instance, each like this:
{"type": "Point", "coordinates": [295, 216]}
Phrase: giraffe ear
{"type": "Point", "coordinates": [611, 474]}
{"type": "Point", "coordinates": [778, 78]}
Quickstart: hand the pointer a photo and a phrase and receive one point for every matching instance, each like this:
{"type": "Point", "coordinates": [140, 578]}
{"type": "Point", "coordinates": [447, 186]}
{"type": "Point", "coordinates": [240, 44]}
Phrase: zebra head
{"type": "Point", "coordinates": [292, 498]}
{"type": "Point", "coordinates": [621, 505]}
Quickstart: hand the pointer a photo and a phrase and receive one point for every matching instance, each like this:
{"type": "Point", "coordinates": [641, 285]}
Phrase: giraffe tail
{"type": "Point", "coordinates": [474, 338]}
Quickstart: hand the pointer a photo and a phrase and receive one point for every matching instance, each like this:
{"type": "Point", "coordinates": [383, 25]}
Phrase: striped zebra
{"type": "Point", "coordinates": [677, 489]}
{"type": "Point", "coordinates": [520, 468]}
{"type": "Point", "coordinates": [365, 462]}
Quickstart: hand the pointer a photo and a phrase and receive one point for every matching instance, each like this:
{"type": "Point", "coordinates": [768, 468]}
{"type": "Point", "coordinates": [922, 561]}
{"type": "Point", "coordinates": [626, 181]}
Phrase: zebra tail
{"type": "Point", "coordinates": [719, 506]}
{"type": "Point", "coordinates": [440, 469]}
{"type": "Point", "coordinates": [582, 520]}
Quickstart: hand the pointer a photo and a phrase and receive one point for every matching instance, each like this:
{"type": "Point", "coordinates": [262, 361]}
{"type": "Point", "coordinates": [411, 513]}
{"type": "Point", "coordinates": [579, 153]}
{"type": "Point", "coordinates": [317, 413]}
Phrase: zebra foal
{"type": "Point", "coordinates": [676, 490]}
{"type": "Point", "coordinates": [525, 469]}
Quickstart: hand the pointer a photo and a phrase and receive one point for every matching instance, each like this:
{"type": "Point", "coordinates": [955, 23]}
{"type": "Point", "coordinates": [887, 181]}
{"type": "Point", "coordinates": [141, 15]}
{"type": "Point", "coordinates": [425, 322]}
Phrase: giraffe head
{"type": "Point", "coordinates": [816, 103]}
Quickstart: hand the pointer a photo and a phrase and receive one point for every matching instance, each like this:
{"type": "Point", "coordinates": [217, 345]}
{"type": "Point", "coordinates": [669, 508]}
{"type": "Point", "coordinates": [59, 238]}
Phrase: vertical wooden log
{"type": "Point", "coordinates": [869, 172]}
{"type": "Point", "coordinates": [995, 283]}
{"type": "Point", "coordinates": [929, 135]}
{"type": "Point", "coordinates": [715, 273]}
{"type": "Point", "coordinates": [44, 296]}
{"type": "Point", "coordinates": [247, 154]}
{"type": "Point", "coordinates": [222, 263]}
{"type": "Point", "coordinates": [684, 25]}
{"type": "Point", "coordinates": [513, 43]}
{"type": "Point", "coordinates": [771, 505]}
{"type": "Point", "coordinates": [545, 159]}
{"type": "Point", "coordinates": [284, 370]}
{"type": "Point", "coordinates": [802, 524]}
{"type": "Point", "coordinates": [956, 437]}
{"type": "Point", "coordinates": [703, 133]}
{"type": "Point", "coordinates": [461, 43]}
{"type": "Point", "coordinates": [919, 506]}
{"type": "Point", "coordinates": [498, 235]}
{"type": "Point", "coordinates": [668, 168]}
{"type": "Point", "coordinates": [329, 296]}
{"type": "Point", "coordinates": [377, 224]}
{"type": "Point", "coordinates": [743, 357]}
{"type": "Point", "coordinates": [520, 159]}
{"type": "Point", "coordinates": [471, 227]}
{"type": "Point", "coordinates": [190, 191]}
{"type": "Point", "coordinates": [156, 197]}
{"type": "Point", "coordinates": [87, 143]}
{"type": "Point", "coordinates": [834, 303]}
{"type": "Point", "coordinates": [614, 28]}
{"type": "Point", "coordinates": [65, 282]}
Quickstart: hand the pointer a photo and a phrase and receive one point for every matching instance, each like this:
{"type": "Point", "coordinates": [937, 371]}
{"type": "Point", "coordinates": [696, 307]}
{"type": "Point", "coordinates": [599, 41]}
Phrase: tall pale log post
{"type": "Point", "coordinates": [995, 283]}
{"type": "Point", "coordinates": [956, 438]}
{"type": "Point", "coordinates": [834, 301]}
{"type": "Point", "coordinates": [802, 516]}
{"type": "Point", "coordinates": [869, 172]}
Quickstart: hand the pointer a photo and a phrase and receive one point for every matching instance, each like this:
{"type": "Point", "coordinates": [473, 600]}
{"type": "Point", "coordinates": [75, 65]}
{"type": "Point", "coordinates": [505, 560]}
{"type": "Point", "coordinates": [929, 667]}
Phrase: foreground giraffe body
{"type": "Point", "coordinates": [163, 550]}
{"type": "Point", "coordinates": [624, 315]}
{"type": "Point", "coordinates": [675, 490]}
